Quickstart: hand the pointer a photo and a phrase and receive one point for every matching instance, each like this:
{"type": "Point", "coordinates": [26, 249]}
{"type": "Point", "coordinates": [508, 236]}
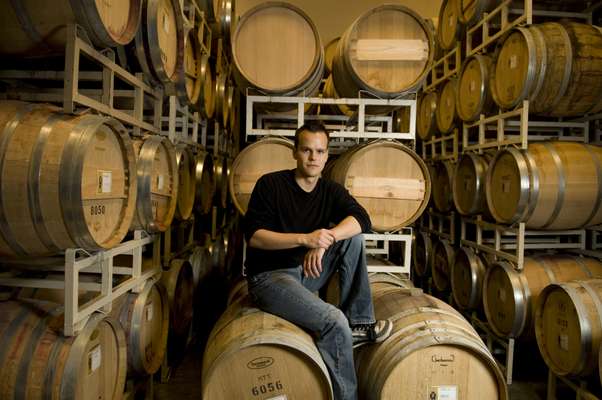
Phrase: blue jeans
{"type": "Point", "coordinates": [289, 294]}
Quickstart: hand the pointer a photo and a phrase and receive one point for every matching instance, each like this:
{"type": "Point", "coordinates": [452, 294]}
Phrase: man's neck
{"type": "Point", "coordinates": [307, 183]}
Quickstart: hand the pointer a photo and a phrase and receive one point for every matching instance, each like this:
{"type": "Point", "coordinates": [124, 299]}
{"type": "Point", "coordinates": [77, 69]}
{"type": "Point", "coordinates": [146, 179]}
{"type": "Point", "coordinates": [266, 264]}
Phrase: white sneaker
{"type": "Point", "coordinates": [371, 333]}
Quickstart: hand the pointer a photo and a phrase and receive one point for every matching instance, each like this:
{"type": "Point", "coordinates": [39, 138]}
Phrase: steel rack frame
{"type": "Point", "coordinates": [442, 148]}
{"type": "Point", "coordinates": [378, 244]}
{"type": "Point", "coordinates": [505, 345]}
{"type": "Point", "coordinates": [446, 67]}
{"type": "Point", "coordinates": [442, 225]}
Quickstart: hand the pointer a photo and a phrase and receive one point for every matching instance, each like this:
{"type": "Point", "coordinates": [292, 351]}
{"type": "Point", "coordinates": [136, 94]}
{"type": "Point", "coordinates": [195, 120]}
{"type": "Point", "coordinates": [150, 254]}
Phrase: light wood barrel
{"type": "Point", "coordinates": [552, 185]}
{"type": "Point", "coordinates": [568, 326]}
{"type": "Point", "coordinates": [422, 250]}
{"type": "Point", "coordinates": [145, 319]}
{"type": "Point", "coordinates": [467, 273]}
{"type": "Point", "coordinates": [469, 183]}
{"type": "Point", "coordinates": [253, 162]}
{"type": "Point", "coordinates": [555, 66]}
{"type": "Point", "coordinates": [330, 92]}
{"type": "Point", "coordinates": [443, 179]}
{"type": "Point", "coordinates": [67, 181]}
{"type": "Point", "coordinates": [186, 181]}
{"type": "Point", "coordinates": [433, 352]}
{"type": "Point", "coordinates": [474, 88]}
{"type": "Point", "coordinates": [37, 361]}
{"type": "Point", "coordinates": [446, 113]}
{"type": "Point", "coordinates": [206, 103]}
{"type": "Point", "coordinates": [226, 19]}
{"type": "Point", "coordinates": [32, 28]}
{"type": "Point", "coordinates": [221, 99]}
{"type": "Point", "coordinates": [387, 51]}
{"type": "Point", "coordinates": [329, 51]}
{"type": "Point", "coordinates": [205, 182]}
{"type": "Point", "coordinates": [441, 264]}
{"type": "Point", "coordinates": [238, 291]}
{"type": "Point", "coordinates": [509, 296]}
{"type": "Point", "coordinates": [471, 11]}
{"type": "Point", "coordinates": [189, 84]}
{"type": "Point", "coordinates": [265, 355]}
{"type": "Point", "coordinates": [157, 183]}
{"type": "Point", "coordinates": [426, 120]}
{"type": "Point", "coordinates": [276, 49]}
{"type": "Point", "coordinates": [388, 179]}
{"type": "Point", "coordinates": [449, 29]}
{"type": "Point", "coordinates": [159, 43]}
{"type": "Point", "coordinates": [221, 181]}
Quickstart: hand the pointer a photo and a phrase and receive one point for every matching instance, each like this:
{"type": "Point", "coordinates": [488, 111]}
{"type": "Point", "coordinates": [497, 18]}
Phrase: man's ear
{"type": "Point", "coordinates": [295, 153]}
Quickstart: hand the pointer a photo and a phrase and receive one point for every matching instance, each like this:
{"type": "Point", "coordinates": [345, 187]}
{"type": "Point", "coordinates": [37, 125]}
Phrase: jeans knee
{"type": "Point", "coordinates": [336, 320]}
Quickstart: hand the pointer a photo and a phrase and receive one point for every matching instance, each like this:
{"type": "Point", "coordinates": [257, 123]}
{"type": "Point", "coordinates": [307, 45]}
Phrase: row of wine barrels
{"type": "Point", "coordinates": [246, 345]}
{"type": "Point", "coordinates": [276, 49]}
{"type": "Point", "coordinates": [431, 337]}
{"type": "Point", "coordinates": [205, 182]}
{"type": "Point", "coordinates": [157, 183]}
{"type": "Point", "coordinates": [568, 326]}
{"type": "Point", "coordinates": [387, 178]}
{"type": "Point", "coordinates": [37, 361]}
{"type": "Point", "coordinates": [387, 51]}
{"type": "Point", "coordinates": [30, 28]}
{"type": "Point", "coordinates": [422, 250]}
{"type": "Point", "coordinates": [159, 42]}
{"type": "Point", "coordinates": [186, 182]}
{"type": "Point", "coordinates": [510, 296]}
{"type": "Point", "coordinates": [66, 181]}
{"type": "Point", "coordinates": [556, 66]}
{"type": "Point", "coordinates": [449, 29]}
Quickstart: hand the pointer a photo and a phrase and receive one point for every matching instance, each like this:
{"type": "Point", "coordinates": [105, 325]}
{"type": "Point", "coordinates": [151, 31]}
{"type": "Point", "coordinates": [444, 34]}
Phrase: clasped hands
{"type": "Point", "coordinates": [317, 242]}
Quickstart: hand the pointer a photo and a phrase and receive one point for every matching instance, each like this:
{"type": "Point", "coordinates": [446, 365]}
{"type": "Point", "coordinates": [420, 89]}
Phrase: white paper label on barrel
{"type": "Point", "coordinates": [105, 180]}
{"type": "Point", "coordinates": [513, 61]}
{"type": "Point", "coordinates": [563, 341]}
{"type": "Point", "coordinates": [391, 50]}
{"type": "Point", "coordinates": [451, 20]}
{"type": "Point", "coordinates": [94, 358]}
{"type": "Point", "coordinates": [280, 397]}
{"type": "Point", "coordinates": [165, 21]}
{"type": "Point", "coordinates": [149, 312]}
{"type": "Point", "coordinates": [472, 86]}
{"type": "Point", "coordinates": [501, 294]}
{"type": "Point", "coordinates": [447, 393]}
{"type": "Point", "coordinates": [160, 182]}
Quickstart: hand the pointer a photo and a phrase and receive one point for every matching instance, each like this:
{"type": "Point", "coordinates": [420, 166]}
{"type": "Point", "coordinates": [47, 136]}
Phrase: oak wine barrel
{"type": "Point", "coordinates": [159, 43]}
{"type": "Point", "coordinates": [422, 250]}
{"type": "Point", "coordinates": [426, 121]}
{"type": "Point", "coordinates": [387, 51]}
{"type": "Point", "coordinates": [221, 181]}
{"type": "Point", "coordinates": [388, 179]}
{"type": "Point", "coordinates": [157, 183]}
{"type": "Point", "coordinates": [201, 264]}
{"type": "Point", "coordinates": [433, 352]}
{"type": "Point", "coordinates": [446, 113]}
{"type": "Point", "coordinates": [31, 28]}
{"type": "Point", "coordinates": [330, 92]}
{"type": "Point", "coordinates": [221, 99]}
{"type": "Point", "coordinates": [205, 182]}
{"type": "Point", "coordinates": [189, 84]}
{"type": "Point", "coordinates": [551, 185]}
{"type": "Point", "coordinates": [449, 29]}
{"type": "Point", "coordinates": [471, 11]}
{"type": "Point", "coordinates": [276, 49]}
{"type": "Point", "coordinates": [441, 264]}
{"type": "Point", "coordinates": [510, 296]}
{"type": "Point", "coordinates": [556, 66]}
{"type": "Point", "coordinates": [568, 326]}
{"type": "Point", "coordinates": [65, 181]}
{"type": "Point", "coordinates": [474, 88]}
{"type": "Point", "coordinates": [145, 319]}
{"type": "Point", "coordinates": [469, 183]}
{"type": "Point", "coordinates": [330, 49]}
{"type": "Point", "coordinates": [37, 361]}
{"type": "Point", "coordinates": [467, 273]}
{"type": "Point", "coordinates": [247, 345]}
{"type": "Point", "coordinates": [253, 162]}
{"type": "Point", "coordinates": [443, 178]}
{"type": "Point", "coordinates": [185, 160]}
{"type": "Point", "coordinates": [206, 103]}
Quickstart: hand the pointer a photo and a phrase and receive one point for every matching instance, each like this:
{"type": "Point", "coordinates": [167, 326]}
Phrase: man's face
{"type": "Point", "coordinates": [311, 153]}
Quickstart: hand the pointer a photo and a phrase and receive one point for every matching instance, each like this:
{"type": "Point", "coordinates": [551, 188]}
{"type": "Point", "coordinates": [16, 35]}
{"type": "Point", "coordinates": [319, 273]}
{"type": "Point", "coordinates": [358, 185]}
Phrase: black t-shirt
{"type": "Point", "coordinates": [280, 205]}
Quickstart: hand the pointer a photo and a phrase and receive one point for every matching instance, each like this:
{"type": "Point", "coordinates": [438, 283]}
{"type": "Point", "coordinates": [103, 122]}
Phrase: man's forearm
{"type": "Point", "coordinates": [270, 240]}
{"type": "Point", "coordinates": [347, 228]}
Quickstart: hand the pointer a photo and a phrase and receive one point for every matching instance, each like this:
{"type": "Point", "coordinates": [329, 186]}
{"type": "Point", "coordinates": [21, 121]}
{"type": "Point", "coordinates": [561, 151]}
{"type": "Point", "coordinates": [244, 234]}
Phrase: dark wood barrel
{"type": "Point", "coordinates": [422, 250]}
{"type": "Point", "coordinates": [467, 273]}
{"type": "Point", "coordinates": [474, 88]}
{"type": "Point", "coordinates": [469, 183]}
{"type": "Point", "coordinates": [200, 261]}
{"type": "Point", "coordinates": [446, 113]}
{"type": "Point", "coordinates": [556, 66]}
{"type": "Point", "coordinates": [387, 51]}
{"type": "Point", "coordinates": [37, 361]}
{"type": "Point", "coordinates": [253, 162]}
{"type": "Point", "coordinates": [426, 122]}
{"type": "Point", "coordinates": [443, 178]}
{"type": "Point", "coordinates": [290, 60]}
{"type": "Point", "coordinates": [449, 29]}
{"type": "Point", "coordinates": [441, 264]}
{"type": "Point", "coordinates": [66, 181]}
{"type": "Point", "coordinates": [205, 182]}
{"type": "Point", "coordinates": [258, 351]}
{"type": "Point", "coordinates": [145, 319]}
{"type": "Point", "coordinates": [509, 296]}
{"type": "Point", "coordinates": [552, 185]}
{"type": "Point", "coordinates": [471, 11]}
{"type": "Point", "coordinates": [206, 103]}
{"type": "Point", "coordinates": [568, 326]}
{"type": "Point", "coordinates": [388, 179]}
{"type": "Point", "coordinates": [32, 28]}
{"type": "Point", "coordinates": [186, 181]}
{"type": "Point", "coordinates": [157, 183]}
{"type": "Point", "coordinates": [159, 43]}
{"type": "Point", "coordinates": [431, 337]}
